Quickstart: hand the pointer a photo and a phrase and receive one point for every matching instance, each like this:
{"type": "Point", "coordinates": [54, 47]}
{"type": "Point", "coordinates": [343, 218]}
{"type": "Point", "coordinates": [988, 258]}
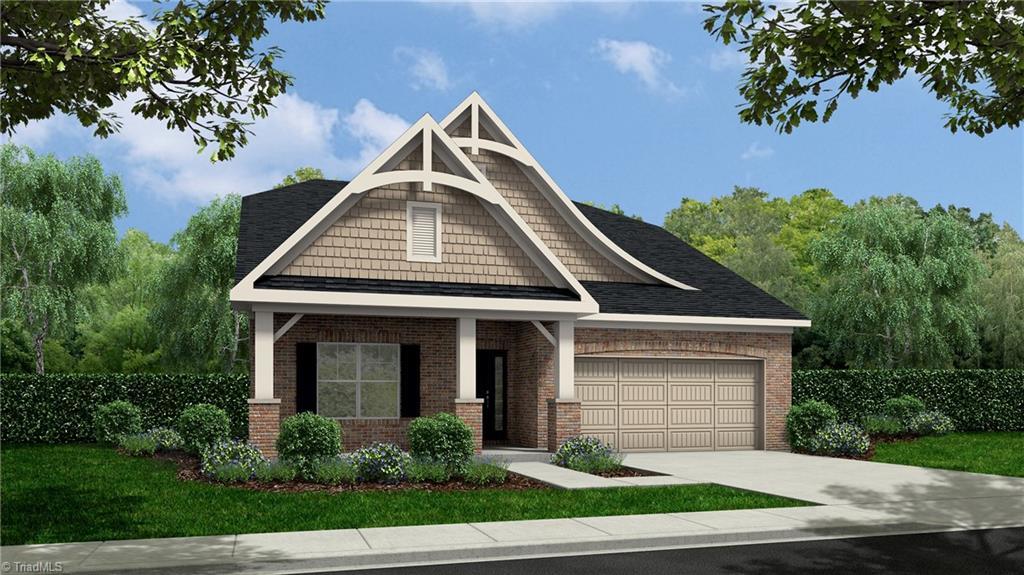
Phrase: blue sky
{"type": "Point", "coordinates": [623, 103]}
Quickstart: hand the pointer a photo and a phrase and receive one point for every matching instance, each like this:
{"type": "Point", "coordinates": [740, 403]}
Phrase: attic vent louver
{"type": "Point", "coordinates": [423, 227]}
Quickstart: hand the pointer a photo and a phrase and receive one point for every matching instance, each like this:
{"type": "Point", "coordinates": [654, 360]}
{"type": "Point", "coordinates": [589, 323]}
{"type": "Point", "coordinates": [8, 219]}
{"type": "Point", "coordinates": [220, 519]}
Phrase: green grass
{"type": "Point", "coordinates": [67, 493]}
{"type": "Point", "coordinates": [998, 453]}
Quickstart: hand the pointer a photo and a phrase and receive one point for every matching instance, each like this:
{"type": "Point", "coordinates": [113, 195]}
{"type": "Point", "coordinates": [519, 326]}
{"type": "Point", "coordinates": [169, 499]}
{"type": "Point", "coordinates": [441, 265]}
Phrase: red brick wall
{"type": "Point", "coordinates": [264, 425]}
{"type": "Point", "coordinates": [435, 336]}
{"type": "Point", "coordinates": [564, 420]}
{"type": "Point", "coordinates": [472, 412]}
{"type": "Point", "coordinates": [774, 348]}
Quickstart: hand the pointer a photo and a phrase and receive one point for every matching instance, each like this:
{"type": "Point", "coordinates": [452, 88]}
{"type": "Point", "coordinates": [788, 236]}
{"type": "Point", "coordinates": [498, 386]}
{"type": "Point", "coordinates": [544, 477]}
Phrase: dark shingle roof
{"type": "Point", "coordinates": [722, 293]}
{"type": "Point", "coordinates": [414, 287]}
{"type": "Point", "coordinates": [268, 218]}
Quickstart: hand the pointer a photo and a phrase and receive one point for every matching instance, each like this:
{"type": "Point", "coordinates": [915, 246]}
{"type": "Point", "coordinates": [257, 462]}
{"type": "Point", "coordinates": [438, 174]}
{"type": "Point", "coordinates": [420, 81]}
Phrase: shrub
{"type": "Point", "coordinates": [138, 444]}
{"type": "Point", "coordinates": [62, 405]}
{"type": "Point", "coordinates": [333, 471]}
{"type": "Point", "coordinates": [202, 425]}
{"type": "Point", "coordinates": [839, 439]}
{"type": "Point", "coordinates": [587, 454]}
{"type": "Point", "coordinates": [229, 473]}
{"type": "Point", "coordinates": [442, 438]}
{"type": "Point", "coordinates": [975, 399]}
{"type": "Point", "coordinates": [229, 452]}
{"type": "Point", "coordinates": [805, 420]}
{"type": "Point", "coordinates": [380, 462]}
{"type": "Point", "coordinates": [115, 419]}
{"type": "Point", "coordinates": [274, 472]}
{"type": "Point", "coordinates": [426, 471]}
{"type": "Point", "coordinates": [903, 408]}
{"type": "Point", "coordinates": [166, 438]}
{"type": "Point", "coordinates": [486, 472]}
{"type": "Point", "coordinates": [883, 425]}
{"type": "Point", "coordinates": [930, 423]}
{"type": "Point", "coordinates": [307, 438]}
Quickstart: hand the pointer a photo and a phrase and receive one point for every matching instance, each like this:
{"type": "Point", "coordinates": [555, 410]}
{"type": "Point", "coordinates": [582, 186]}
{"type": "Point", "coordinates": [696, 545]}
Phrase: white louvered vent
{"type": "Point", "coordinates": [424, 232]}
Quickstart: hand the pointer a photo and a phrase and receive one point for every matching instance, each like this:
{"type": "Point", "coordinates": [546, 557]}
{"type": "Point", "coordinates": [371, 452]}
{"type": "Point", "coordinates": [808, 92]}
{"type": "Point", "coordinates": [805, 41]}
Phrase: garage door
{"type": "Point", "coordinates": [649, 404]}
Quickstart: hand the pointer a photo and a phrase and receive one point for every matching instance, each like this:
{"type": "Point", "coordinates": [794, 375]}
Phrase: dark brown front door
{"type": "Point", "coordinates": [492, 386]}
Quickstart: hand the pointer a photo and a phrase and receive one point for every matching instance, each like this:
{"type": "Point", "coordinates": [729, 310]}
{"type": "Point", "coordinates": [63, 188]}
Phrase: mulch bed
{"type": "Point", "coordinates": [188, 470]}
{"type": "Point", "coordinates": [628, 472]}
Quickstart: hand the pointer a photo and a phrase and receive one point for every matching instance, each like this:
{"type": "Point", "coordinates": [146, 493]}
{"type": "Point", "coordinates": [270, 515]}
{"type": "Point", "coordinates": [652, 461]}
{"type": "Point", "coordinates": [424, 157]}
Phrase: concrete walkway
{"type": "Point", "coordinates": [859, 498]}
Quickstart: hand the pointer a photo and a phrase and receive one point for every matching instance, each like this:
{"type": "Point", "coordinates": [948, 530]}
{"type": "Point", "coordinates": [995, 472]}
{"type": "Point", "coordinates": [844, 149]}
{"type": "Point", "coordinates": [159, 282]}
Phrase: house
{"type": "Point", "coordinates": [453, 274]}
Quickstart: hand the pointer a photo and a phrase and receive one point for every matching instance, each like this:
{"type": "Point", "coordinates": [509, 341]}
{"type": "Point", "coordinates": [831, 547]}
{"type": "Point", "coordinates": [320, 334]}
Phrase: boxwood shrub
{"type": "Point", "coordinates": [443, 438]}
{"type": "Point", "coordinates": [114, 419]}
{"type": "Point", "coordinates": [59, 408]}
{"type": "Point", "coordinates": [806, 419]}
{"type": "Point", "coordinates": [975, 399]}
{"type": "Point", "coordinates": [201, 426]}
{"type": "Point", "coordinates": [306, 439]}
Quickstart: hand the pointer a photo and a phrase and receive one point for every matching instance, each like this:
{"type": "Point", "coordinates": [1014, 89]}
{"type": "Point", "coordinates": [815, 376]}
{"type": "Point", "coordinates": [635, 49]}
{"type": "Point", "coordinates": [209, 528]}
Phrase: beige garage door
{"type": "Point", "coordinates": [649, 404]}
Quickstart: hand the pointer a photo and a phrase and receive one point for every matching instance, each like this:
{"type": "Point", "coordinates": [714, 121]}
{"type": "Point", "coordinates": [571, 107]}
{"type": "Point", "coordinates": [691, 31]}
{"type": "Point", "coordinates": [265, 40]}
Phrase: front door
{"type": "Point", "coordinates": [491, 385]}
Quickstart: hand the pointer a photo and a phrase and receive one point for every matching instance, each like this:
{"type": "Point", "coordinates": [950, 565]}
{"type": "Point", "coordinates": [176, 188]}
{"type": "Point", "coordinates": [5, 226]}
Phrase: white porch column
{"type": "Point", "coordinates": [565, 360]}
{"type": "Point", "coordinates": [465, 357]}
{"type": "Point", "coordinates": [264, 371]}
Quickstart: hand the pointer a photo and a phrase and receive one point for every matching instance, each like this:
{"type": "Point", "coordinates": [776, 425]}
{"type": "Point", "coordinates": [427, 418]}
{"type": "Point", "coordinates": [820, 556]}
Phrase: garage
{"type": "Point", "coordinates": [664, 404]}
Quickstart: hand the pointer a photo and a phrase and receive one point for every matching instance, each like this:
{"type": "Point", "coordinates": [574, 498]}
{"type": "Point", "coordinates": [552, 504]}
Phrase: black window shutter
{"type": "Point", "coordinates": [410, 384]}
{"type": "Point", "coordinates": [305, 377]}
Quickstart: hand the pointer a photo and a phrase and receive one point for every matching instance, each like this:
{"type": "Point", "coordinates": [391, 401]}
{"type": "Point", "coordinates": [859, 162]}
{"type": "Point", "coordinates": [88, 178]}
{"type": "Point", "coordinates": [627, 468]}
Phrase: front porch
{"type": "Point", "coordinates": [511, 381]}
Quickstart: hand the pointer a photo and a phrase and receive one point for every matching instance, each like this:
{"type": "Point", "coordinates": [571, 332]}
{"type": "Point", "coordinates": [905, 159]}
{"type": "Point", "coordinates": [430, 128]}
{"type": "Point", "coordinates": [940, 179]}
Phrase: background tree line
{"type": "Point", "coordinates": [886, 282]}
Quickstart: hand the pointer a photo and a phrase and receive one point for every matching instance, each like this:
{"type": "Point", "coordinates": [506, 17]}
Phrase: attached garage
{"type": "Point", "coordinates": [664, 404]}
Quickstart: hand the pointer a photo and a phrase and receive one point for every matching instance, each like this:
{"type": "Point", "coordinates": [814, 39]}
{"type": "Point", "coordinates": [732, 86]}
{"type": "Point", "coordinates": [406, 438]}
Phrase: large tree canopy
{"type": "Point", "coordinates": [898, 286]}
{"type": "Point", "coordinates": [196, 67]}
{"type": "Point", "coordinates": [56, 235]}
{"type": "Point", "coordinates": [1001, 294]}
{"type": "Point", "coordinates": [804, 57]}
{"type": "Point", "coordinates": [303, 174]}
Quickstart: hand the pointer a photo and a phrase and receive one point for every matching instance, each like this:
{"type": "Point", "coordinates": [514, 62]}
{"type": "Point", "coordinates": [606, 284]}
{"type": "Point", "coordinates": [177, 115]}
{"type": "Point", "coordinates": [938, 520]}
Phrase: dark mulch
{"type": "Point", "coordinates": [188, 470]}
{"type": "Point", "coordinates": [628, 472]}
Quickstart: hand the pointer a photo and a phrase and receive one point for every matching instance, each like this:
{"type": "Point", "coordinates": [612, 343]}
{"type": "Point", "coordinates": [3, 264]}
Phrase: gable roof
{"type": "Point", "coordinates": [272, 216]}
{"type": "Point", "coordinates": [720, 291]}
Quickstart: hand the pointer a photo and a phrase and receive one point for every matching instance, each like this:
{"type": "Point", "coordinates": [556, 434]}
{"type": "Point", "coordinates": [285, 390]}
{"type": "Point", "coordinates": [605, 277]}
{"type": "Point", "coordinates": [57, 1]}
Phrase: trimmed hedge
{"type": "Point", "coordinates": [975, 399]}
{"type": "Point", "coordinates": [59, 408]}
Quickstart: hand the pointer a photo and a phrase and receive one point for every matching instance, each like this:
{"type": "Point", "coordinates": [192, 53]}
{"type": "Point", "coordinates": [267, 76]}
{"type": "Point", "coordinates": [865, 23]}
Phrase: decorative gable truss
{"type": "Point", "coordinates": [473, 125]}
{"type": "Point", "coordinates": [442, 163]}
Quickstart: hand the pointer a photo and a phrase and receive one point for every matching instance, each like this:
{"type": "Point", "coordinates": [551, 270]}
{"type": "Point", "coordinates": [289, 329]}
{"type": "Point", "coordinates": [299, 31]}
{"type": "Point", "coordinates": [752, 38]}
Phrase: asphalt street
{"type": "Point", "coordinates": [991, 551]}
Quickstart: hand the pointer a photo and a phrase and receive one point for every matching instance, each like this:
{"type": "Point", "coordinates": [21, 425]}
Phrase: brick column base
{"type": "Point", "coordinates": [472, 412]}
{"type": "Point", "coordinates": [564, 419]}
{"type": "Point", "coordinates": [264, 425]}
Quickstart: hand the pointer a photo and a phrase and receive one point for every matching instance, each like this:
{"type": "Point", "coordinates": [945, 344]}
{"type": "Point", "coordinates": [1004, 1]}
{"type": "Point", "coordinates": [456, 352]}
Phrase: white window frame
{"type": "Point", "coordinates": [408, 232]}
{"type": "Point", "coordinates": [358, 382]}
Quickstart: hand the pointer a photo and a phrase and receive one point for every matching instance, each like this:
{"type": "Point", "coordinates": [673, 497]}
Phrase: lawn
{"type": "Point", "coordinates": [999, 453]}
{"type": "Point", "coordinates": [86, 493]}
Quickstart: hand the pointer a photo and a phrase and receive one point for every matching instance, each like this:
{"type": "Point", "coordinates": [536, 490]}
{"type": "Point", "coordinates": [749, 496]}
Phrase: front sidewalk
{"type": "Point", "coordinates": [355, 548]}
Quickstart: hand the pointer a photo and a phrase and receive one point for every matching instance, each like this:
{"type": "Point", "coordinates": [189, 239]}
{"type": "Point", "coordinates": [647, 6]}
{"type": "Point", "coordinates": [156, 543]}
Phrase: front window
{"type": "Point", "coordinates": [357, 380]}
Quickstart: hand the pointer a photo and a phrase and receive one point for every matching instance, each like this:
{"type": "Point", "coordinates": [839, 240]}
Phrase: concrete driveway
{"type": "Point", "coordinates": [918, 493]}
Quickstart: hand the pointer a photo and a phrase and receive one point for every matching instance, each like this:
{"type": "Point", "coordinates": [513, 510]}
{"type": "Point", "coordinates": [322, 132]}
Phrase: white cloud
{"type": "Point", "coordinates": [641, 59]}
{"type": "Point", "coordinates": [727, 59]}
{"type": "Point", "coordinates": [755, 151]}
{"type": "Point", "coordinates": [426, 66]}
{"type": "Point", "coordinates": [374, 129]}
{"type": "Point", "coordinates": [507, 15]}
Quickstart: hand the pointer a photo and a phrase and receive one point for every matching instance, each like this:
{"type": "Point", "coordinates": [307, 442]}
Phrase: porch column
{"type": "Point", "coordinates": [564, 414]}
{"type": "Point", "coordinates": [468, 407]}
{"type": "Point", "coordinates": [264, 408]}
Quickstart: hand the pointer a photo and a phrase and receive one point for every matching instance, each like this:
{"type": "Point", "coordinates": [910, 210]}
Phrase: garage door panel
{"type": "Point", "coordinates": [596, 369]}
{"type": "Point", "coordinates": [641, 370]}
{"type": "Point", "coordinates": [652, 440]}
{"type": "Point", "coordinates": [690, 370]}
{"type": "Point", "coordinates": [735, 416]}
{"type": "Point", "coordinates": [599, 417]}
{"type": "Point", "coordinates": [691, 416]}
{"type": "Point", "coordinates": [691, 440]}
{"type": "Point", "coordinates": [735, 393]}
{"type": "Point", "coordinates": [641, 393]}
{"type": "Point", "coordinates": [642, 416]}
{"type": "Point", "coordinates": [735, 439]}
{"type": "Point", "coordinates": [597, 392]}
{"type": "Point", "coordinates": [736, 371]}
{"type": "Point", "coordinates": [691, 392]}
{"type": "Point", "coordinates": [609, 437]}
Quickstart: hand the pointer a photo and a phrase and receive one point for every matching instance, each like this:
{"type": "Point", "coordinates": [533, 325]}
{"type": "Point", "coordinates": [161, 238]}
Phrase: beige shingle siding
{"type": "Point", "coordinates": [572, 250]}
{"type": "Point", "coordinates": [369, 241]}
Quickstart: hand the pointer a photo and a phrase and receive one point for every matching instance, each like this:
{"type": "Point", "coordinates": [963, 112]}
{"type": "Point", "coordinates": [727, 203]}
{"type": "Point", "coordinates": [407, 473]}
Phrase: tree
{"type": "Point", "coordinates": [983, 227]}
{"type": "Point", "coordinates": [714, 227]}
{"type": "Point", "coordinates": [614, 208]}
{"type": "Point", "coordinates": [56, 235]}
{"type": "Point", "coordinates": [201, 331]}
{"type": "Point", "coordinates": [195, 67]}
{"type": "Point", "coordinates": [898, 286]}
{"type": "Point", "coordinates": [116, 333]}
{"type": "Point", "coordinates": [809, 54]}
{"type": "Point", "coordinates": [302, 174]}
{"type": "Point", "coordinates": [1001, 294]}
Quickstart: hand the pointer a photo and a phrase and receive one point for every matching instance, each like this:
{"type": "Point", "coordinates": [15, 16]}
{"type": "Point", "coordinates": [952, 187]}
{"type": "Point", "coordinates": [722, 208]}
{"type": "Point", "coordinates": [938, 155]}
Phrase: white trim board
{"type": "Point", "coordinates": [690, 322]}
{"type": "Point", "coordinates": [481, 112]}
